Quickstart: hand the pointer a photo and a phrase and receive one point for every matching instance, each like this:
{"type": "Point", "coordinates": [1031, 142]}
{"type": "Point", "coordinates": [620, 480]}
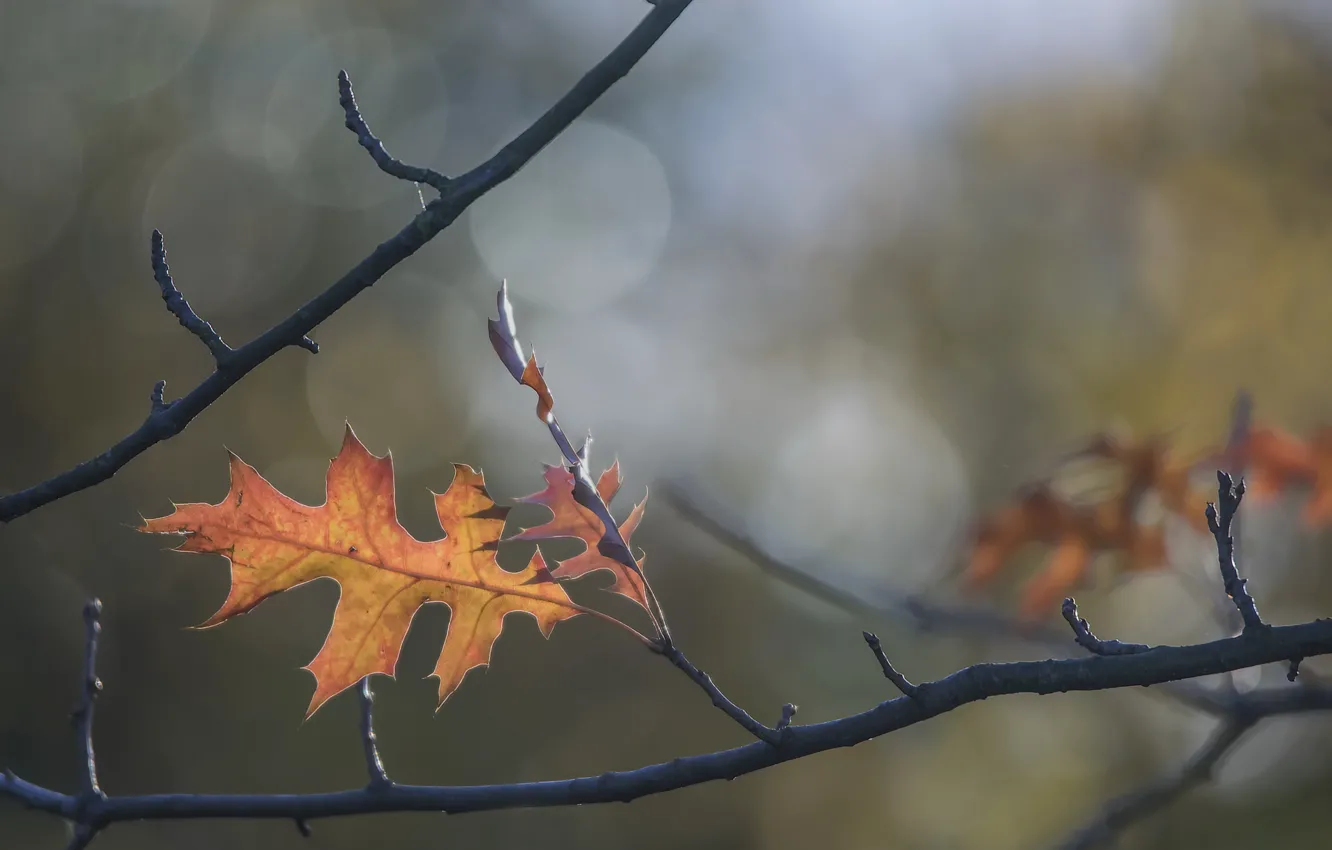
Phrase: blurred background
{"type": "Point", "coordinates": [855, 270]}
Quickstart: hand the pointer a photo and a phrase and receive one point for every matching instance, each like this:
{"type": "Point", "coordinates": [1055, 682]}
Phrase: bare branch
{"type": "Point", "coordinates": [1219, 522]}
{"type": "Point", "coordinates": [720, 700]}
{"type": "Point", "coordinates": [971, 684]}
{"type": "Point", "coordinates": [1083, 635]}
{"type": "Point", "coordinates": [1240, 712]}
{"type": "Point", "coordinates": [180, 308]}
{"type": "Point", "coordinates": [368, 140]}
{"type": "Point", "coordinates": [82, 717]}
{"type": "Point", "coordinates": [83, 832]}
{"type": "Point", "coordinates": [169, 420]}
{"type": "Point", "coordinates": [902, 683]}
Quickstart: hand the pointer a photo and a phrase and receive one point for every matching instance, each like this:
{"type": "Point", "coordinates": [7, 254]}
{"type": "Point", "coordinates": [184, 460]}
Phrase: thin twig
{"type": "Point", "coordinates": [1220, 516]}
{"type": "Point", "coordinates": [389, 165]}
{"type": "Point", "coordinates": [1241, 424]}
{"type": "Point", "coordinates": [168, 420]}
{"type": "Point", "coordinates": [181, 309]}
{"type": "Point", "coordinates": [1082, 633]}
{"type": "Point", "coordinates": [890, 672]}
{"type": "Point", "coordinates": [971, 684]}
{"type": "Point", "coordinates": [373, 765]}
{"type": "Point", "coordinates": [720, 700]}
{"type": "Point", "coordinates": [82, 717]}
{"type": "Point", "coordinates": [504, 338]}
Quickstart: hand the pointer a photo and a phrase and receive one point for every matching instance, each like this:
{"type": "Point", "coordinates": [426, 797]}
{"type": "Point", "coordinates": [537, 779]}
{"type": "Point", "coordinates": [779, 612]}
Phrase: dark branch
{"type": "Point", "coordinates": [1083, 635]}
{"type": "Point", "coordinates": [1239, 711]}
{"type": "Point", "coordinates": [180, 308]}
{"type": "Point", "coordinates": [901, 682]}
{"type": "Point", "coordinates": [373, 765]}
{"type": "Point", "coordinates": [1220, 517]}
{"type": "Point", "coordinates": [972, 684]}
{"type": "Point", "coordinates": [1121, 812]}
{"type": "Point", "coordinates": [169, 420]}
{"type": "Point", "coordinates": [82, 717]}
{"type": "Point", "coordinates": [368, 140]}
{"type": "Point", "coordinates": [720, 700]}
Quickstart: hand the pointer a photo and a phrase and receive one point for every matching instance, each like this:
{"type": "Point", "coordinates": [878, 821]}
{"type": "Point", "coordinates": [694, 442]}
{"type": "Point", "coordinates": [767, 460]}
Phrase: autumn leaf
{"type": "Point", "coordinates": [275, 543]}
{"type": "Point", "coordinates": [1096, 502]}
{"type": "Point", "coordinates": [1278, 461]}
{"type": "Point", "coordinates": [571, 519]}
{"type": "Point", "coordinates": [1150, 467]}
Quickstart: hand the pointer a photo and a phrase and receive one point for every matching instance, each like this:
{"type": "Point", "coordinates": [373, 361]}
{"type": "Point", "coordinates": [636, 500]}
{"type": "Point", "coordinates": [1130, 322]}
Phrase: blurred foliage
{"type": "Point", "coordinates": [860, 283]}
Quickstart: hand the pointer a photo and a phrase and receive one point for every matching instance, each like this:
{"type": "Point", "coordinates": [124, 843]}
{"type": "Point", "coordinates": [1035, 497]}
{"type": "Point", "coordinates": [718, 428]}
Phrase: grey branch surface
{"type": "Point", "coordinates": [166, 419]}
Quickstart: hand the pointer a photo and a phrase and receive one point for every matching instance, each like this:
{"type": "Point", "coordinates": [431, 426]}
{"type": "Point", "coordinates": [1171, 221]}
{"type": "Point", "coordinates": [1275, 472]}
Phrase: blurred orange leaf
{"type": "Point", "coordinates": [574, 520]}
{"type": "Point", "coordinates": [1278, 461]}
{"type": "Point", "coordinates": [1098, 501]}
{"type": "Point", "coordinates": [275, 543]}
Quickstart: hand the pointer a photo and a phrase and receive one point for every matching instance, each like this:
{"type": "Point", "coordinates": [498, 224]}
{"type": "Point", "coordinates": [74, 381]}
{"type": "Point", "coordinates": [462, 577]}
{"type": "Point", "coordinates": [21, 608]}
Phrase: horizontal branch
{"type": "Point", "coordinates": [971, 684]}
{"type": "Point", "coordinates": [165, 420]}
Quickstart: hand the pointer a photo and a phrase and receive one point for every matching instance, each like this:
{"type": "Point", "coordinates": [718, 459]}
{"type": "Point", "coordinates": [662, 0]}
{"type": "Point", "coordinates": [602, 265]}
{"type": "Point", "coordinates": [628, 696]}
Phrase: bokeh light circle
{"type": "Point", "coordinates": [582, 223]}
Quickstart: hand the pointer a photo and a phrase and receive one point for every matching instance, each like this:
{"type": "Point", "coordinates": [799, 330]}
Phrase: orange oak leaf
{"type": "Point", "coordinates": [1095, 503]}
{"type": "Point", "coordinates": [1278, 461]}
{"type": "Point", "coordinates": [574, 520]}
{"type": "Point", "coordinates": [275, 543]}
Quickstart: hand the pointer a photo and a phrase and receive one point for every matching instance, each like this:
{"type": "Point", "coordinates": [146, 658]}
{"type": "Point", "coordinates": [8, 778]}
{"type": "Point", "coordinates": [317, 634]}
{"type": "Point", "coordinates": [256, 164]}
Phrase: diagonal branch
{"type": "Point", "coordinates": [1082, 633]}
{"type": "Point", "coordinates": [387, 164]}
{"type": "Point", "coordinates": [165, 420]}
{"type": "Point", "coordinates": [1121, 812]}
{"type": "Point", "coordinates": [902, 683]}
{"type": "Point", "coordinates": [181, 309]}
{"type": "Point", "coordinates": [769, 735]}
{"type": "Point", "coordinates": [1240, 713]}
{"type": "Point", "coordinates": [526, 371]}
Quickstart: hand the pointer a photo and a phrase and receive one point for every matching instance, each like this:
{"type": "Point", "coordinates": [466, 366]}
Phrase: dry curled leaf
{"type": "Point", "coordinates": [571, 519]}
{"type": "Point", "coordinates": [275, 543]}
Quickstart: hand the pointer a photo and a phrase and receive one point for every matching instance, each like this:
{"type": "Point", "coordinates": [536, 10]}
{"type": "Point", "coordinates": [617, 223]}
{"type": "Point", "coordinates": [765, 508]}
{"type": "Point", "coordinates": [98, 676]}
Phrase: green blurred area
{"type": "Point", "coordinates": [860, 331]}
